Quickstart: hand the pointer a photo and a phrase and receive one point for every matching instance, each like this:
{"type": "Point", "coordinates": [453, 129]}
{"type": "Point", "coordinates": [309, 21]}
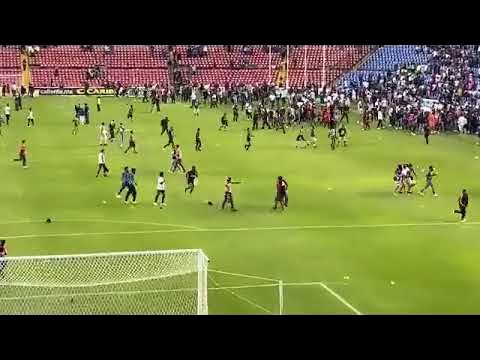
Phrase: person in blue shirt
{"type": "Point", "coordinates": [125, 176]}
{"type": "Point", "coordinates": [131, 187]}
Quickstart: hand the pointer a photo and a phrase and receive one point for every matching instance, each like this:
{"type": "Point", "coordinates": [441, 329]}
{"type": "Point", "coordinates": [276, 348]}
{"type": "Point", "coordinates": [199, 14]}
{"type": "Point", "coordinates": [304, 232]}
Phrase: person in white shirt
{"type": "Point", "coordinates": [7, 112]}
{"type": "Point", "coordinates": [99, 103]}
{"type": "Point", "coordinates": [30, 118]}
{"type": "Point", "coordinates": [380, 119]}
{"type": "Point", "coordinates": [462, 121]}
{"type": "Point", "coordinates": [248, 111]}
{"type": "Point", "coordinates": [178, 159]}
{"type": "Point", "coordinates": [193, 97]}
{"type": "Point", "coordinates": [101, 163]}
{"type": "Point", "coordinates": [272, 99]}
{"type": "Point", "coordinates": [121, 134]}
{"type": "Point", "coordinates": [103, 134]}
{"type": "Point", "coordinates": [161, 187]}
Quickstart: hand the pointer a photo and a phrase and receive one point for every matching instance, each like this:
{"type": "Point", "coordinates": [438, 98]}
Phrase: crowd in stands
{"type": "Point", "coordinates": [442, 94]}
{"type": "Point", "coordinates": [410, 86]}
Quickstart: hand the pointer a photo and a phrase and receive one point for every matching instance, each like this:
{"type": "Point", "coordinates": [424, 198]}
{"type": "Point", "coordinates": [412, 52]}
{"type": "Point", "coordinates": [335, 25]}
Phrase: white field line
{"type": "Point", "coordinates": [135, 292]}
{"type": "Point", "coordinates": [315, 283]}
{"type": "Point", "coordinates": [244, 275]}
{"type": "Point", "coordinates": [258, 306]}
{"type": "Point", "coordinates": [341, 299]}
{"type": "Point", "coordinates": [228, 289]}
{"type": "Point", "coordinates": [93, 220]}
{"type": "Point", "coordinates": [294, 227]}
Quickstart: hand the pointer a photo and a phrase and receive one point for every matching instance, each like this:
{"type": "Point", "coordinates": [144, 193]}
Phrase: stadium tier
{"type": "Point", "coordinates": [9, 58]}
{"type": "Point", "coordinates": [388, 58]}
{"type": "Point", "coordinates": [69, 65]}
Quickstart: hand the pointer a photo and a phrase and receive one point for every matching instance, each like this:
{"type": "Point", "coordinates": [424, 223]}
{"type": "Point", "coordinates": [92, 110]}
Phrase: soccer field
{"type": "Point", "coordinates": [345, 245]}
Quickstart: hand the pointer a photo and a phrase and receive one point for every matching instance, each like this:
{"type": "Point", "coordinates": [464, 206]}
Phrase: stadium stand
{"type": "Point", "coordinates": [436, 86]}
{"type": "Point", "coordinates": [137, 65]}
{"type": "Point", "coordinates": [388, 58]}
{"type": "Point", "coordinates": [216, 64]}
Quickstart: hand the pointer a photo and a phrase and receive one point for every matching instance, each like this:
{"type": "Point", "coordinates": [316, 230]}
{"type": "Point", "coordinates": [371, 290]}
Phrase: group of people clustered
{"type": "Point", "coordinates": [111, 133]}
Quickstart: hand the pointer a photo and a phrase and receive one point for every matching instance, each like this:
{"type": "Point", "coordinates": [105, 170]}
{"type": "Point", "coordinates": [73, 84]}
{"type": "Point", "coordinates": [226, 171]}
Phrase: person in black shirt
{"type": "Point", "coordinates": [342, 133]}
{"type": "Point", "coordinates": [426, 132]}
{"type": "Point", "coordinates": [191, 176]}
{"type": "Point", "coordinates": [111, 130]}
{"type": "Point", "coordinates": [164, 125]}
{"type": "Point", "coordinates": [462, 205]}
{"type": "Point", "coordinates": [198, 141]}
{"type": "Point", "coordinates": [255, 120]}
{"type": "Point", "coordinates": [170, 135]}
{"type": "Point", "coordinates": [235, 112]}
{"type": "Point", "coordinates": [86, 110]}
{"type": "Point", "coordinates": [145, 94]}
{"type": "Point", "coordinates": [130, 113]}
{"type": "Point", "coordinates": [131, 144]}
{"type": "Point", "coordinates": [345, 109]}
{"type": "Point", "coordinates": [157, 102]}
{"type": "Point", "coordinates": [265, 121]}
{"type": "Point", "coordinates": [153, 94]}
{"type": "Point", "coordinates": [249, 140]}
{"type": "Point", "coordinates": [223, 122]}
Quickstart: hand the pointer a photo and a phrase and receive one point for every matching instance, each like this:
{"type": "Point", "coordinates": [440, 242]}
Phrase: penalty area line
{"type": "Point", "coordinates": [194, 230]}
{"type": "Point", "coordinates": [341, 299]}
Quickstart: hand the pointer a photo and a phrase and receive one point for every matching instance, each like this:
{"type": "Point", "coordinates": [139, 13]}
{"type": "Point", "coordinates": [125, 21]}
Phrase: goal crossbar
{"type": "Point", "coordinates": [104, 254]}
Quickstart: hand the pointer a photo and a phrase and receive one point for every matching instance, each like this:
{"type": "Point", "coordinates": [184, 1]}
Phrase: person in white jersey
{"type": "Point", "coordinates": [161, 187]}
{"type": "Point", "coordinates": [30, 118]}
{"type": "Point", "coordinates": [7, 113]}
{"type": "Point", "coordinates": [193, 97]}
{"type": "Point", "coordinates": [102, 163]}
{"type": "Point", "coordinates": [103, 135]}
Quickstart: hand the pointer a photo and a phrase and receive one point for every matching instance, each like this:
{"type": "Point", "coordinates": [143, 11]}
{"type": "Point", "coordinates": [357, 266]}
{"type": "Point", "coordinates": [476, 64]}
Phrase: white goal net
{"type": "Point", "coordinates": [151, 282]}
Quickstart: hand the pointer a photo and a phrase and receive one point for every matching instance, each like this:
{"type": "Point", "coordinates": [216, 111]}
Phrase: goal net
{"type": "Point", "coordinates": [151, 282]}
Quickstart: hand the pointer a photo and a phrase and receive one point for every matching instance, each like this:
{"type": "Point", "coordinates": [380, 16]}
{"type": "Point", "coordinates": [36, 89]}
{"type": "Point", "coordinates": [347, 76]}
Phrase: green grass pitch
{"type": "Point", "coordinates": [356, 238]}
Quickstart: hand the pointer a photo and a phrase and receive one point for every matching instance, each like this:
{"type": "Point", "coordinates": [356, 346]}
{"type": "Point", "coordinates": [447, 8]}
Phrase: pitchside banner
{"type": "Point", "coordinates": [75, 91]}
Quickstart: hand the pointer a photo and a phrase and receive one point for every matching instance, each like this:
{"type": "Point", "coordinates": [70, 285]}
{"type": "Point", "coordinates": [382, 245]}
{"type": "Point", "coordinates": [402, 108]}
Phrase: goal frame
{"type": "Point", "coordinates": [201, 267]}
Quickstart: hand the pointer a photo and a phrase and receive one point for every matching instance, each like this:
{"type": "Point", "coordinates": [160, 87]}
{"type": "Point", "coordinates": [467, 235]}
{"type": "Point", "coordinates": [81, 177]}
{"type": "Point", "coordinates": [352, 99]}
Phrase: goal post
{"type": "Point", "coordinates": [148, 282]}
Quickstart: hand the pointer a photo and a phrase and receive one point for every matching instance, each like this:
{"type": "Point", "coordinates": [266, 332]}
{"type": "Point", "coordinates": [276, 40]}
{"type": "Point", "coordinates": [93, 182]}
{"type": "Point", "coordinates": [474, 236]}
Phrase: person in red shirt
{"type": "Point", "coordinates": [3, 254]}
{"type": "Point", "coordinates": [281, 193]}
{"type": "Point", "coordinates": [22, 154]}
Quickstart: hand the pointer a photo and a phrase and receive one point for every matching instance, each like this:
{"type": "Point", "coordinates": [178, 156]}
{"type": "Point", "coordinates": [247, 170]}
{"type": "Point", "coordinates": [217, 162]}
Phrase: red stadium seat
{"type": "Point", "coordinates": [140, 64]}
